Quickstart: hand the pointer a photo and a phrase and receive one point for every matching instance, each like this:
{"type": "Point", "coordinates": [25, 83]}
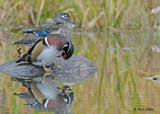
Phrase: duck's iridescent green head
{"type": "Point", "coordinates": [67, 94]}
{"type": "Point", "coordinates": [67, 50]}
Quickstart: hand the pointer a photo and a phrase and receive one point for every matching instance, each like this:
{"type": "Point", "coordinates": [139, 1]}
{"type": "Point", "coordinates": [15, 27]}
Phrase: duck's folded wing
{"type": "Point", "coordinates": [44, 27]}
{"type": "Point", "coordinates": [36, 50]}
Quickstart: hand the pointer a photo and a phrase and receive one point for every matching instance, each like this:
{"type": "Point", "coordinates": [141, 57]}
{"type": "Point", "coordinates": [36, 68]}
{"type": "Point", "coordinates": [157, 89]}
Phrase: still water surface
{"type": "Point", "coordinates": [123, 60]}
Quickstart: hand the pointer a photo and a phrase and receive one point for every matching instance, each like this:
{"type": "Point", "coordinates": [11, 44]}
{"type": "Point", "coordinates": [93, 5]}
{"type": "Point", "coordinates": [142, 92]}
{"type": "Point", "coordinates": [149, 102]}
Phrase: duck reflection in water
{"type": "Point", "coordinates": [47, 96]}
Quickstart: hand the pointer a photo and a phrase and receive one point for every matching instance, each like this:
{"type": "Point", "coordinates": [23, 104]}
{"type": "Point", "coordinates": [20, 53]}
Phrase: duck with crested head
{"type": "Point", "coordinates": [47, 95]}
{"type": "Point", "coordinates": [45, 51]}
{"type": "Point", "coordinates": [60, 26]}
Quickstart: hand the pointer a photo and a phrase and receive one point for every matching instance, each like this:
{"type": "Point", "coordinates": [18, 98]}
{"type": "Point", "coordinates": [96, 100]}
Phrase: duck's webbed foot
{"type": "Point", "coordinates": [56, 66]}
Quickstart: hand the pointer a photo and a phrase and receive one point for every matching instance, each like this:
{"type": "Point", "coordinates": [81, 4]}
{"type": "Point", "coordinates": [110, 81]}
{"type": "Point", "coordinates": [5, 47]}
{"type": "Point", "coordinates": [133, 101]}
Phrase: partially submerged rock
{"type": "Point", "coordinates": [75, 69]}
{"type": "Point", "coordinates": [154, 78]}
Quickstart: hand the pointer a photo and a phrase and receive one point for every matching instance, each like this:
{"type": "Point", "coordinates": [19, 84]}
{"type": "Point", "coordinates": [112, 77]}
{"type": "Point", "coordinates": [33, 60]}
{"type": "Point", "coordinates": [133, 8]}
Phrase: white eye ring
{"type": "Point", "coordinates": [64, 15]}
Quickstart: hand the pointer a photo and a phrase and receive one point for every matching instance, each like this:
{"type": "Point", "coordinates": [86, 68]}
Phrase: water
{"type": "Point", "coordinates": [124, 60]}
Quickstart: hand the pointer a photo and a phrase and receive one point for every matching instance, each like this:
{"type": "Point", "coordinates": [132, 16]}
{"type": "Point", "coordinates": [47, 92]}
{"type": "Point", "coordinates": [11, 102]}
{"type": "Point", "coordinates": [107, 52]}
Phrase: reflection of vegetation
{"type": "Point", "coordinates": [119, 85]}
{"type": "Point", "coordinates": [123, 61]}
{"type": "Point", "coordinates": [89, 14]}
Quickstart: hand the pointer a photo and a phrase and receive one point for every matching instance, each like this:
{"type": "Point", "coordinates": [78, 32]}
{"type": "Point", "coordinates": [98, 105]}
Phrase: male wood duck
{"type": "Point", "coordinates": [65, 97]}
{"type": "Point", "coordinates": [59, 26]}
{"type": "Point", "coordinates": [45, 50]}
{"type": "Point", "coordinates": [48, 95]}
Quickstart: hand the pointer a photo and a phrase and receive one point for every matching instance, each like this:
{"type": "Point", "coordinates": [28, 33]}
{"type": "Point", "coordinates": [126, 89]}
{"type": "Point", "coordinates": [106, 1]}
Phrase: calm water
{"type": "Point", "coordinates": [124, 60]}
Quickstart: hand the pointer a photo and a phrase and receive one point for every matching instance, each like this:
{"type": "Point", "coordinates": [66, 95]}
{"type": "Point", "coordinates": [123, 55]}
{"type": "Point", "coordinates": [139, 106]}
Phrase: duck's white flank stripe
{"type": "Point", "coordinates": [45, 105]}
{"type": "Point", "coordinates": [46, 41]}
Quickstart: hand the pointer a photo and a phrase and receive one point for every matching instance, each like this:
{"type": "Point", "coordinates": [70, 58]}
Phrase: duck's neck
{"type": "Point", "coordinates": [66, 29]}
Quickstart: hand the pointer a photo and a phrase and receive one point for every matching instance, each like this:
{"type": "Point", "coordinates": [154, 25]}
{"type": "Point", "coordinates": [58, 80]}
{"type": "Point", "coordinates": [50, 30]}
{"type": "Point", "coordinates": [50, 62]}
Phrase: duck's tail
{"type": "Point", "coordinates": [25, 57]}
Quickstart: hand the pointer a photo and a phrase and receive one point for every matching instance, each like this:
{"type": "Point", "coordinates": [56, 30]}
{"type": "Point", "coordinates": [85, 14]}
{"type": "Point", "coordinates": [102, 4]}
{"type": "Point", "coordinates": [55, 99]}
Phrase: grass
{"type": "Point", "coordinates": [119, 85]}
{"type": "Point", "coordinates": [89, 14]}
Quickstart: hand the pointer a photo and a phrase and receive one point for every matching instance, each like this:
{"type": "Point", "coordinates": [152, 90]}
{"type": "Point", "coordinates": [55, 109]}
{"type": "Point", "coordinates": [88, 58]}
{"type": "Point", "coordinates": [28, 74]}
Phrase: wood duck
{"type": "Point", "coordinates": [48, 95]}
{"type": "Point", "coordinates": [66, 96]}
{"type": "Point", "coordinates": [59, 26]}
{"type": "Point", "coordinates": [51, 95]}
{"type": "Point", "coordinates": [45, 50]}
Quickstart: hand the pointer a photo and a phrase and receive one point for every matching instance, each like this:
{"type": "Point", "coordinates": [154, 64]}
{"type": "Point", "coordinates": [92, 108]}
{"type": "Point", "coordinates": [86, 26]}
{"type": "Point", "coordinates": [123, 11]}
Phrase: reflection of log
{"type": "Point", "coordinates": [75, 69]}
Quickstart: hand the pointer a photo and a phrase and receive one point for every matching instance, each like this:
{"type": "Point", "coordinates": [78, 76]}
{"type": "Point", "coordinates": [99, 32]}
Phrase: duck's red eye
{"type": "Point", "coordinates": [65, 55]}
